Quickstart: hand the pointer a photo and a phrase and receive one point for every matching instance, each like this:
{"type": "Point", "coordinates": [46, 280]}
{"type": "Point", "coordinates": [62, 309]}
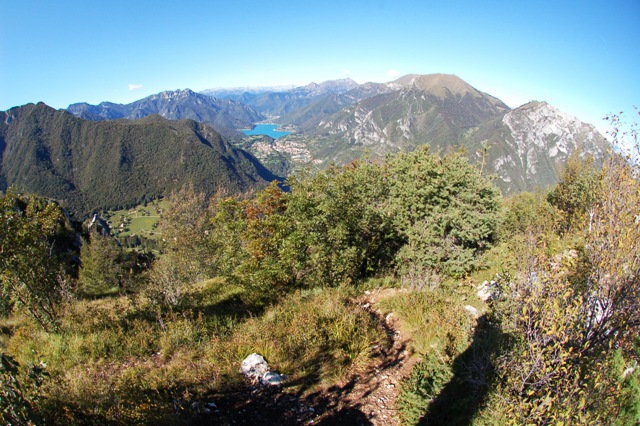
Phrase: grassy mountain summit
{"type": "Point", "coordinates": [92, 165]}
{"type": "Point", "coordinates": [442, 86]}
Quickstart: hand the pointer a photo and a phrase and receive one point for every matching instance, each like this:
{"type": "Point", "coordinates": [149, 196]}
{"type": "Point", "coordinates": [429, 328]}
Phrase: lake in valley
{"type": "Point", "coordinates": [266, 129]}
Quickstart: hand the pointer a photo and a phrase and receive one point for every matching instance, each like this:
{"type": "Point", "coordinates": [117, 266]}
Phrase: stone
{"type": "Point", "coordinates": [257, 370]}
{"type": "Point", "coordinates": [487, 290]}
{"type": "Point", "coordinates": [473, 311]}
{"type": "Point", "coordinates": [272, 379]}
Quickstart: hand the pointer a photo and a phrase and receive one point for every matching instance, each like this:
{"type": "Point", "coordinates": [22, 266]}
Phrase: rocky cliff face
{"type": "Point", "coordinates": [538, 138]}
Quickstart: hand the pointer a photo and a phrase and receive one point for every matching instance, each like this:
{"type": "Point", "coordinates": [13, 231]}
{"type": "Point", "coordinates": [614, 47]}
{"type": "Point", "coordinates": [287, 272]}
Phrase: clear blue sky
{"type": "Point", "coordinates": [582, 57]}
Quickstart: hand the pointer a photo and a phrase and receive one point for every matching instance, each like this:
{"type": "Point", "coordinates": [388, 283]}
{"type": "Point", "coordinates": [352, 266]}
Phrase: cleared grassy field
{"type": "Point", "coordinates": [140, 220]}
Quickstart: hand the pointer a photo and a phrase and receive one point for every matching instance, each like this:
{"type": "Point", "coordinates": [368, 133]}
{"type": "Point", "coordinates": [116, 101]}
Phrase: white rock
{"type": "Point", "coordinates": [627, 371]}
{"type": "Point", "coordinates": [272, 379]}
{"type": "Point", "coordinates": [487, 290]}
{"type": "Point", "coordinates": [473, 311]}
{"type": "Point", "coordinates": [256, 369]}
{"type": "Point", "coordinates": [254, 366]}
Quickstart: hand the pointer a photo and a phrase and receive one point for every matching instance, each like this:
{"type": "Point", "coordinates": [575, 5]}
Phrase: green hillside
{"type": "Point", "coordinates": [115, 164]}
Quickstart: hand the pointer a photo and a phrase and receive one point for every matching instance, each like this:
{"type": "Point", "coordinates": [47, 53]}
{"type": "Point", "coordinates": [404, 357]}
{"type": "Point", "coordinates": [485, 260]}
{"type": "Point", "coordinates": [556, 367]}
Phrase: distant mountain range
{"type": "Point", "coordinates": [108, 164]}
{"type": "Point", "coordinates": [524, 147]}
{"type": "Point", "coordinates": [111, 155]}
{"type": "Point", "coordinates": [222, 114]}
{"type": "Point", "coordinates": [276, 104]}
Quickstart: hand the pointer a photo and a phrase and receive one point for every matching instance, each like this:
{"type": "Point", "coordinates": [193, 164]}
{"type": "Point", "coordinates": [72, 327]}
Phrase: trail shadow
{"type": "Point", "coordinates": [466, 392]}
{"type": "Point", "coordinates": [349, 416]}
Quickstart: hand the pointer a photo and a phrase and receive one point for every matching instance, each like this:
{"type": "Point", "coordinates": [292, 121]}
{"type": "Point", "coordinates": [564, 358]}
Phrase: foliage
{"type": "Point", "coordinates": [564, 315]}
{"type": "Point", "coordinates": [340, 225]}
{"type": "Point", "coordinates": [15, 406]}
{"type": "Point", "coordinates": [185, 260]}
{"type": "Point", "coordinates": [443, 208]}
{"type": "Point", "coordinates": [426, 381]}
{"type": "Point", "coordinates": [624, 136]}
{"type": "Point", "coordinates": [335, 227]}
{"type": "Point", "coordinates": [326, 231]}
{"type": "Point", "coordinates": [31, 266]}
{"type": "Point", "coordinates": [527, 212]}
{"type": "Point", "coordinates": [102, 266]}
{"type": "Point", "coordinates": [578, 190]}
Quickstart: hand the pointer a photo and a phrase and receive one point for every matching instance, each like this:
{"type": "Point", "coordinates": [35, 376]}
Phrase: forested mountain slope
{"type": "Point", "coordinates": [92, 165]}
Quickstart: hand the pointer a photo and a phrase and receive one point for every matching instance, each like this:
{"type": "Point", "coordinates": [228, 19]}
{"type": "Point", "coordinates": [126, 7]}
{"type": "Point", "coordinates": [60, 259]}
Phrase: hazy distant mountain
{"type": "Point", "coordinates": [526, 147]}
{"type": "Point", "coordinates": [92, 165]}
{"type": "Point", "coordinates": [175, 105]}
{"type": "Point", "coordinates": [276, 104]}
{"type": "Point", "coordinates": [307, 118]}
{"type": "Point", "coordinates": [237, 93]}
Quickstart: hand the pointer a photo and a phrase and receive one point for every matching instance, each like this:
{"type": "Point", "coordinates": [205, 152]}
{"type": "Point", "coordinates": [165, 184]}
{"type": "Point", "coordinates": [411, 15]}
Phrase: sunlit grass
{"type": "Point", "coordinates": [121, 359]}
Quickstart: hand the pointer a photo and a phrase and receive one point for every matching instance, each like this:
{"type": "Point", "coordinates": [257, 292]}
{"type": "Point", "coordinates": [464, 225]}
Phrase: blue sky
{"type": "Point", "coordinates": [582, 57]}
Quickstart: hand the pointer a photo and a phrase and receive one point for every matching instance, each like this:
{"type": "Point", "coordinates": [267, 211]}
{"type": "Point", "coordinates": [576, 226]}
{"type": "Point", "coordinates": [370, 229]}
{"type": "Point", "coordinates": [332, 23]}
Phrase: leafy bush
{"type": "Point", "coordinates": [18, 394]}
{"type": "Point", "coordinates": [102, 268]}
{"type": "Point", "coordinates": [579, 188]}
{"type": "Point", "coordinates": [341, 228]}
{"type": "Point", "coordinates": [445, 211]}
{"type": "Point", "coordinates": [426, 381]}
{"type": "Point", "coordinates": [32, 267]}
{"type": "Point", "coordinates": [564, 314]}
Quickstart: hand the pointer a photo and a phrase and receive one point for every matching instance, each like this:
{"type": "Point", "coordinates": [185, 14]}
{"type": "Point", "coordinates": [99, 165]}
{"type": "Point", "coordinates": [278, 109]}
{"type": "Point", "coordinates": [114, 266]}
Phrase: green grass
{"type": "Point", "coordinates": [140, 220]}
{"type": "Point", "coordinates": [121, 360]}
{"type": "Point", "coordinates": [440, 331]}
{"type": "Point", "coordinates": [435, 320]}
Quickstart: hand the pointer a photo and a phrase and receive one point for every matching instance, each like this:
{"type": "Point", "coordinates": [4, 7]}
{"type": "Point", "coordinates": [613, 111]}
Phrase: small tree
{"type": "Point", "coordinates": [579, 188]}
{"type": "Point", "coordinates": [567, 315]}
{"type": "Point", "coordinates": [341, 232]}
{"type": "Point", "coordinates": [31, 272]}
{"type": "Point", "coordinates": [186, 253]}
{"type": "Point", "coordinates": [102, 266]}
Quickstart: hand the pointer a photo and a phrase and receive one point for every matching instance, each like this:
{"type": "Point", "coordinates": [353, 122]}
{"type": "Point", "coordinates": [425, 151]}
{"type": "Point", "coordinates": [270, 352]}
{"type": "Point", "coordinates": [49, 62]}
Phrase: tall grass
{"type": "Point", "coordinates": [314, 337]}
{"type": "Point", "coordinates": [120, 360]}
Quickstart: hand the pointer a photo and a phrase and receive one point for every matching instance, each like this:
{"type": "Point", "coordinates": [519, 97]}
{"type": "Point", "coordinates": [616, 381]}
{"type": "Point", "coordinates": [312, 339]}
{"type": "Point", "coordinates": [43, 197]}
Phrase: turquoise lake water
{"type": "Point", "coordinates": [266, 129]}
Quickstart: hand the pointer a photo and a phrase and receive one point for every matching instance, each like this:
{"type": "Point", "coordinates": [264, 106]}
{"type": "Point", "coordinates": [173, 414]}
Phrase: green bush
{"type": "Point", "coordinates": [443, 208]}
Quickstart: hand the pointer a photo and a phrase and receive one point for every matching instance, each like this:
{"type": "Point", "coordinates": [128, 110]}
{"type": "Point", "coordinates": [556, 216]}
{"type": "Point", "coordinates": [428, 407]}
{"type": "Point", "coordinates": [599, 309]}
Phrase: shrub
{"type": "Point", "coordinates": [565, 314]}
{"type": "Point", "coordinates": [31, 268]}
{"type": "Point", "coordinates": [445, 211]}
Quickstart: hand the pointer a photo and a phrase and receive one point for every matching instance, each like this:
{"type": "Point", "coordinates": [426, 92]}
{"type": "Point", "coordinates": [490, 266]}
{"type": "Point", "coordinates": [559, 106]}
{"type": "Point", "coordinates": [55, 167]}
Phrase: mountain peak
{"type": "Point", "coordinates": [330, 86]}
{"type": "Point", "coordinates": [179, 93]}
{"type": "Point", "coordinates": [440, 85]}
